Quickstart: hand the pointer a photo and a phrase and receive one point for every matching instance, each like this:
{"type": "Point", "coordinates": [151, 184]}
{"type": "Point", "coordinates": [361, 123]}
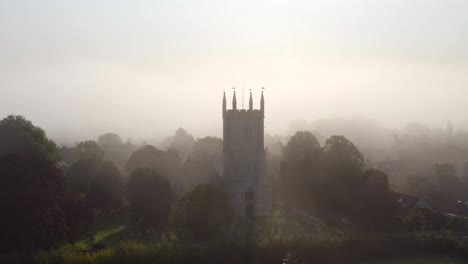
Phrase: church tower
{"type": "Point", "coordinates": [244, 169]}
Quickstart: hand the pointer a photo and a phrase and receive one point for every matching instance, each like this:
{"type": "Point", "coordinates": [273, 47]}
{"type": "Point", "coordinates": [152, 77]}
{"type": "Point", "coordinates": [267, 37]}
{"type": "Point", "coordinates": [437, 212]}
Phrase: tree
{"type": "Point", "coordinates": [109, 139]}
{"type": "Point", "coordinates": [202, 166]}
{"type": "Point", "coordinates": [300, 169]}
{"type": "Point", "coordinates": [31, 196]}
{"type": "Point", "coordinates": [19, 136]}
{"type": "Point", "coordinates": [80, 174]}
{"type": "Point", "coordinates": [344, 165]}
{"type": "Point", "coordinates": [115, 150]}
{"type": "Point", "coordinates": [88, 150]}
{"type": "Point", "coordinates": [377, 203]}
{"type": "Point", "coordinates": [181, 141]}
{"type": "Point", "coordinates": [150, 196]}
{"type": "Point", "coordinates": [208, 150]}
{"type": "Point", "coordinates": [205, 211]}
{"type": "Point", "coordinates": [166, 163]}
{"type": "Point", "coordinates": [446, 185]}
{"type": "Point", "coordinates": [105, 190]}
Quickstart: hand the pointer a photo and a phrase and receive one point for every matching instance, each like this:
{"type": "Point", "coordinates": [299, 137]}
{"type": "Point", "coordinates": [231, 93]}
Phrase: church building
{"type": "Point", "coordinates": [244, 169]}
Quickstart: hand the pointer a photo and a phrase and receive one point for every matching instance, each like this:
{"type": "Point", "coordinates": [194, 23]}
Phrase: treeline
{"type": "Point", "coordinates": [48, 191]}
{"type": "Point", "coordinates": [331, 181]}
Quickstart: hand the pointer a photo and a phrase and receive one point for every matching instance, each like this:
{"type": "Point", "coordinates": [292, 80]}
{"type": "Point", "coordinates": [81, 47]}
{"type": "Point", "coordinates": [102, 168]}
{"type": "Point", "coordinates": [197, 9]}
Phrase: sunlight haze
{"type": "Point", "coordinates": [142, 69]}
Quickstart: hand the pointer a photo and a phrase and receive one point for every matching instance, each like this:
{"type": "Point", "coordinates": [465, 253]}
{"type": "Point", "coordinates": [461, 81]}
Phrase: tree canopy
{"type": "Point", "coordinates": [150, 196]}
{"type": "Point", "coordinates": [205, 211]}
{"type": "Point", "coordinates": [106, 188]}
{"type": "Point", "coordinates": [31, 196]}
{"type": "Point", "coordinates": [19, 136]}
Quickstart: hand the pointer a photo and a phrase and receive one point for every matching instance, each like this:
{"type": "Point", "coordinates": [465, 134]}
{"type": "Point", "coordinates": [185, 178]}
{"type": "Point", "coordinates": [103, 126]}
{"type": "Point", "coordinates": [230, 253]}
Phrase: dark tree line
{"type": "Point", "coordinates": [332, 181]}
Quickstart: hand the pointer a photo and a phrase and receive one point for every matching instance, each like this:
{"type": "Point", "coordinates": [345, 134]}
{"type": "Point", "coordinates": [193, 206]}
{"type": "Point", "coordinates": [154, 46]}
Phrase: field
{"type": "Point", "coordinates": [415, 260]}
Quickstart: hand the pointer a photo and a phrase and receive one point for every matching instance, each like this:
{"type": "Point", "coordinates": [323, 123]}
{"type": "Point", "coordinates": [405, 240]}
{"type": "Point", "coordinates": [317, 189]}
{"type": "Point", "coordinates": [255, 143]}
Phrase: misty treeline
{"type": "Point", "coordinates": [414, 157]}
{"type": "Point", "coordinates": [49, 192]}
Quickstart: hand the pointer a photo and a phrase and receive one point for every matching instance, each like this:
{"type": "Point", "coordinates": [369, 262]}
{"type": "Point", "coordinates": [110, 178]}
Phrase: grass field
{"type": "Point", "coordinates": [415, 260]}
{"type": "Point", "coordinates": [104, 227]}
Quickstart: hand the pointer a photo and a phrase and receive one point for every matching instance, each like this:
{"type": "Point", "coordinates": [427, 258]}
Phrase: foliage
{"type": "Point", "coordinates": [427, 246]}
{"type": "Point", "coordinates": [427, 220]}
{"type": "Point", "coordinates": [150, 196]}
{"type": "Point", "coordinates": [446, 186]}
{"type": "Point", "coordinates": [300, 169]}
{"type": "Point", "coordinates": [88, 150]}
{"type": "Point", "coordinates": [109, 139]}
{"type": "Point", "coordinates": [80, 173]}
{"type": "Point", "coordinates": [31, 202]}
{"type": "Point", "coordinates": [165, 163]}
{"type": "Point", "coordinates": [377, 203]}
{"type": "Point", "coordinates": [19, 136]}
{"type": "Point", "coordinates": [205, 211]}
{"type": "Point", "coordinates": [207, 149]}
{"type": "Point", "coordinates": [106, 188]}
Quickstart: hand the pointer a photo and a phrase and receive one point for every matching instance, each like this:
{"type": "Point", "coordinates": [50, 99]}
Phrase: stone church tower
{"type": "Point", "coordinates": [244, 169]}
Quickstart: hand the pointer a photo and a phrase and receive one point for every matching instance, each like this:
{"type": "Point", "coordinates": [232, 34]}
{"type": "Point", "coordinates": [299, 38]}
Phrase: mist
{"type": "Point", "coordinates": [143, 70]}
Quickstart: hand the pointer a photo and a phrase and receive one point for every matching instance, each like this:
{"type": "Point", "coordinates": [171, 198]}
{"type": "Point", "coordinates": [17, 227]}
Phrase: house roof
{"type": "Point", "coordinates": [407, 201]}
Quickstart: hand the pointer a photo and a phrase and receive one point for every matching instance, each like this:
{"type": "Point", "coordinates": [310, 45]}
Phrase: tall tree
{"type": "Point", "coordinates": [31, 196]}
{"type": "Point", "coordinates": [19, 136]}
{"type": "Point", "coordinates": [80, 174]}
{"type": "Point", "coordinates": [150, 196]}
{"type": "Point", "coordinates": [105, 189]}
{"type": "Point", "coordinates": [377, 202]}
{"type": "Point", "coordinates": [166, 163]}
{"type": "Point", "coordinates": [344, 165]}
{"type": "Point", "coordinates": [88, 149]}
{"type": "Point", "coordinates": [208, 149]}
{"type": "Point", "coordinates": [205, 211]}
{"type": "Point", "coordinates": [300, 169]}
{"type": "Point", "coordinates": [446, 186]}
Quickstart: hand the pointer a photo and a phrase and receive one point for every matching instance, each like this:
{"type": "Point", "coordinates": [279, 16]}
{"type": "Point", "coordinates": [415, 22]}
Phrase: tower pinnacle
{"type": "Point", "coordinates": [262, 103]}
{"type": "Point", "coordinates": [250, 101]}
{"type": "Point", "coordinates": [224, 103]}
{"type": "Point", "coordinates": [234, 101]}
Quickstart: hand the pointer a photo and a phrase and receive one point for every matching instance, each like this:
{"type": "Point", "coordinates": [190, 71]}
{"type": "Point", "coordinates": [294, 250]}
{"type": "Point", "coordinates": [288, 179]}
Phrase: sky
{"type": "Point", "coordinates": [143, 68]}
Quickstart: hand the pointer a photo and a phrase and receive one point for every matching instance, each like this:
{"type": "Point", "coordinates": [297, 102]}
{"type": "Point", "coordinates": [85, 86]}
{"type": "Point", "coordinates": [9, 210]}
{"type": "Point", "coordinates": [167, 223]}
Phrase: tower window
{"type": "Point", "coordinates": [249, 196]}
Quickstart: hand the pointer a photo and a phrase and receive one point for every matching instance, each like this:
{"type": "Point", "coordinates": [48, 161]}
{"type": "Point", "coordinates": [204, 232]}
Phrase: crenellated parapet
{"type": "Point", "coordinates": [250, 112]}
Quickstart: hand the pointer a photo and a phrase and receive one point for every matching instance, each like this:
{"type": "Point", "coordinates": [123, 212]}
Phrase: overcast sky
{"type": "Point", "coordinates": [145, 68]}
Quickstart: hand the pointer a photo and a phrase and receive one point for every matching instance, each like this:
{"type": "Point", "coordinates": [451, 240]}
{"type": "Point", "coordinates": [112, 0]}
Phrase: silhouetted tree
{"type": "Point", "coordinates": [300, 169]}
{"type": "Point", "coordinates": [19, 136]}
{"type": "Point", "coordinates": [105, 190]}
{"type": "Point", "coordinates": [150, 196]}
{"type": "Point", "coordinates": [31, 196]}
{"type": "Point", "coordinates": [203, 165]}
{"type": "Point", "coordinates": [115, 150]}
{"type": "Point", "coordinates": [378, 205]}
{"type": "Point", "coordinates": [77, 211]}
{"type": "Point", "coordinates": [109, 139]}
{"type": "Point", "coordinates": [88, 150]}
{"type": "Point", "coordinates": [344, 166]}
{"type": "Point", "coordinates": [205, 211]}
{"type": "Point", "coordinates": [80, 174]}
{"type": "Point", "coordinates": [208, 149]}
{"type": "Point", "coordinates": [181, 141]}
{"type": "Point", "coordinates": [446, 185]}
{"type": "Point", "coordinates": [165, 163]}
